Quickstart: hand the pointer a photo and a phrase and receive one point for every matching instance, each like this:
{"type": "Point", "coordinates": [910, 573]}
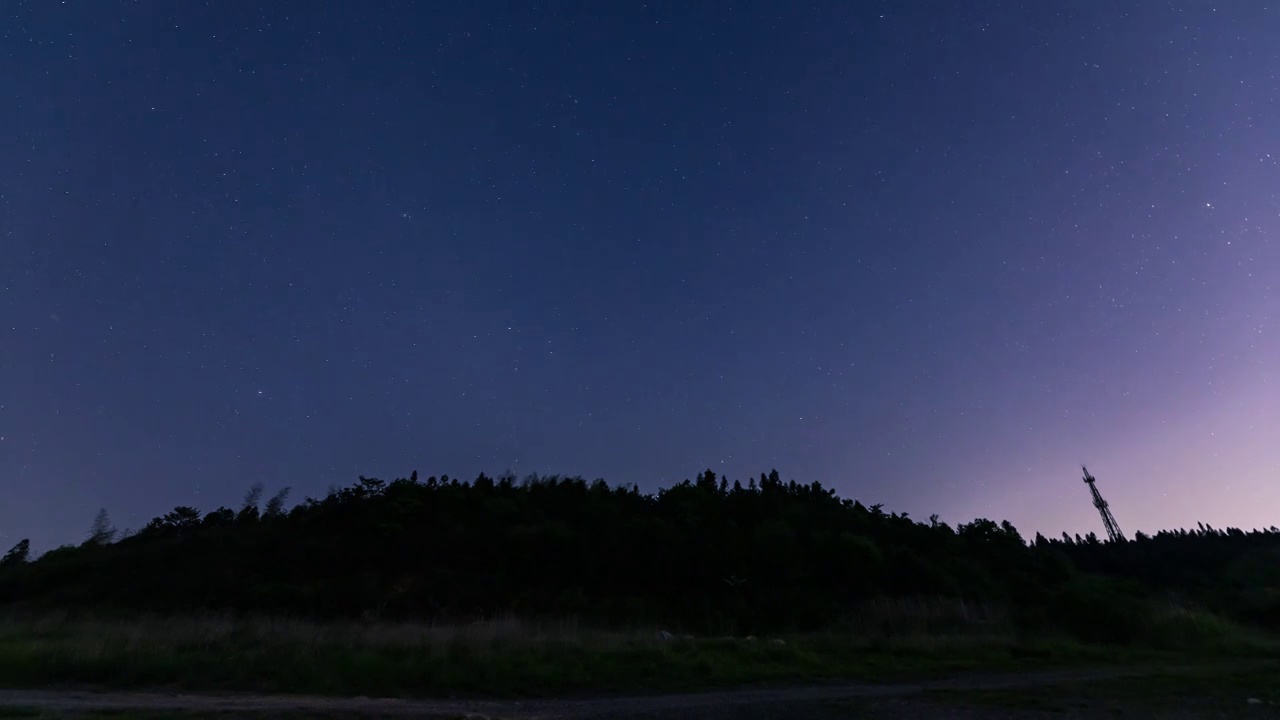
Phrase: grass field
{"type": "Point", "coordinates": [501, 658]}
{"type": "Point", "coordinates": [507, 657]}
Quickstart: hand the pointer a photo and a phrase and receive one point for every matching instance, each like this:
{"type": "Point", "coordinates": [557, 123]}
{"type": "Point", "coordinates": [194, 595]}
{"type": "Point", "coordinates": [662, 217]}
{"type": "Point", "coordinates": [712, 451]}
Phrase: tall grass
{"type": "Point", "coordinates": [931, 617]}
{"type": "Point", "coordinates": [224, 631]}
{"type": "Point", "coordinates": [506, 655]}
{"type": "Point", "coordinates": [1181, 626]}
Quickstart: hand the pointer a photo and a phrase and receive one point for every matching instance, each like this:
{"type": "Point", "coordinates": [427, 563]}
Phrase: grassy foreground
{"type": "Point", "coordinates": [507, 657]}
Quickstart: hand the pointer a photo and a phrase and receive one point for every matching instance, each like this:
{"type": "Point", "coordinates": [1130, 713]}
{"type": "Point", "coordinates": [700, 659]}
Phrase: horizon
{"type": "Point", "coordinates": [293, 500]}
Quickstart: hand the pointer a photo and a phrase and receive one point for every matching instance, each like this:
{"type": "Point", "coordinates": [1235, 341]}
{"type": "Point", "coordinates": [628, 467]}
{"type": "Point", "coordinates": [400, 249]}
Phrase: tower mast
{"type": "Point", "coordinates": [1108, 520]}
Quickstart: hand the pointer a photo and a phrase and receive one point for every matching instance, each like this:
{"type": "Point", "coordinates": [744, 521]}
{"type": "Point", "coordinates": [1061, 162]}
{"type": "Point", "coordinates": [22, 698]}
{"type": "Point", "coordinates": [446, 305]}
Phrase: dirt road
{"type": "Point", "coordinates": [729, 703]}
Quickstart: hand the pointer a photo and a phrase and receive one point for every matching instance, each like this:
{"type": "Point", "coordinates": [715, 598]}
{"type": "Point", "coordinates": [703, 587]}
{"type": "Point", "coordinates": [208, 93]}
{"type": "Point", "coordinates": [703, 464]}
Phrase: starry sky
{"type": "Point", "coordinates": [931, 254]}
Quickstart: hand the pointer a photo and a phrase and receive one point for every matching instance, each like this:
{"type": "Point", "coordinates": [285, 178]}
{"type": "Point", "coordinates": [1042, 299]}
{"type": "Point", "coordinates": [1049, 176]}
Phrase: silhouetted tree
{"type": "Point", "coordinates": [18, 554]}
{"type": "Point", "coordinates": [102, 532]}
{"type": "Point", "coordinates": [249, 507]}
{"type": "Point", "coordinates": [181, 518]}
{"type": "Point", "coordinates": [275, 506]}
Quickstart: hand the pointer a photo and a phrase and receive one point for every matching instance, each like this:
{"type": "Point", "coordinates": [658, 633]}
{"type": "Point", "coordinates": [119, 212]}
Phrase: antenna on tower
{"type": "Point", "coordinates": [1108, 520]}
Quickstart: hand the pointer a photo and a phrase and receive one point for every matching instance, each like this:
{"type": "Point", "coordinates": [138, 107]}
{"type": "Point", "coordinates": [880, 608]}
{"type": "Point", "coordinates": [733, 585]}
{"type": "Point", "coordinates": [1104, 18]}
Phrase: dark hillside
{"type": "Point", "coordinates": [703, 556]}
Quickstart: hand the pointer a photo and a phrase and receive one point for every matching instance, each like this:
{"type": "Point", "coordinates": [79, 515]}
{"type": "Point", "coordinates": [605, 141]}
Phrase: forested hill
{"type": "Point", "coordinates": [707, 555]}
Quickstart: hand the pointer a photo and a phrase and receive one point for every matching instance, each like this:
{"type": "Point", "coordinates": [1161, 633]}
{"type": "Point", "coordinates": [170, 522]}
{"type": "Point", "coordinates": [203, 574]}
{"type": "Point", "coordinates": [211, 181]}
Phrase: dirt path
{"type": "Point", "coordinates": [603, 707]}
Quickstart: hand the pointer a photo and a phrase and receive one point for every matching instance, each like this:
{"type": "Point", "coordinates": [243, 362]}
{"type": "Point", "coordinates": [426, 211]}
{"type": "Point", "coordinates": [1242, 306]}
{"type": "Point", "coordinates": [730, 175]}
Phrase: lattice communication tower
{"type": "Point", "coordinates": [1108, 520]}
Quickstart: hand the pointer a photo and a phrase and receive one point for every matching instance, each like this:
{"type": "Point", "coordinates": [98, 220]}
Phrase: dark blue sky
{"type": "Point", "coordinates": [931, 254]}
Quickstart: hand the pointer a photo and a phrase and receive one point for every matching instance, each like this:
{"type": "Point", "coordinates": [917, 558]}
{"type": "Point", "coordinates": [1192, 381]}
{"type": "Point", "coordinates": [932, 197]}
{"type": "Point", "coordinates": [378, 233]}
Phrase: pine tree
{"type": "Point", "coordinates": [18, 554]}
{"type": "Point", "coordinates": [102, 532]}
{"type": "Point", "coordinates": [275, 506]}
{"type": "Point", "coordinates": [249, 508]}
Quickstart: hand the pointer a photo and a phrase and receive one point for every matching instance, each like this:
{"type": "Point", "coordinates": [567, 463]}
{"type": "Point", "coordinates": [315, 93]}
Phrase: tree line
{"type": "Point", "coordinates": [707, 555]}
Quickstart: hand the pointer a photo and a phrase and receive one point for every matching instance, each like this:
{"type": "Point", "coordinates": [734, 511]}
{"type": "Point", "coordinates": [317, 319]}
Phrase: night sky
{"type": "Point", "coordinates": [934, 255]}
